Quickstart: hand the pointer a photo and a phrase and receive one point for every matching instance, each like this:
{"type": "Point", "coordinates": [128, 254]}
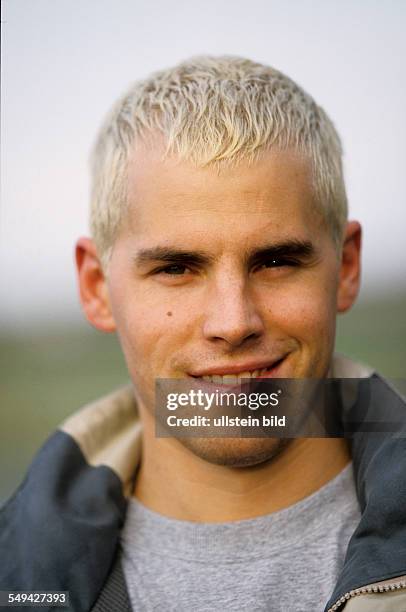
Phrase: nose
{"type": "Point", "coordinates": [231, 315]}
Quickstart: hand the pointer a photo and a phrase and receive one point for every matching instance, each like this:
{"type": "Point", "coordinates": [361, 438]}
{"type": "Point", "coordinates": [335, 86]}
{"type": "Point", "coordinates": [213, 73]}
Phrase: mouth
{"type": "Point", "coordinates": [234, 375]}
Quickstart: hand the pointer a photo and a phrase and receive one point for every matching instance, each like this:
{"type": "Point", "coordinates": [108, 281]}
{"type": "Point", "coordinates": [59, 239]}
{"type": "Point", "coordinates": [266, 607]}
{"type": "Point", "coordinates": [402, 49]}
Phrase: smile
{"type": "Point", "coordinates": [231, 376]}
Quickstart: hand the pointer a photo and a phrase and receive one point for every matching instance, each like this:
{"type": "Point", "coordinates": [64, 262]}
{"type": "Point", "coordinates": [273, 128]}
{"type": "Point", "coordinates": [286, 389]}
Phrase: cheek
{"type": "Point", "coordinates": [305, 310]}
{"type": "Point", "coordinates": [151, 327]}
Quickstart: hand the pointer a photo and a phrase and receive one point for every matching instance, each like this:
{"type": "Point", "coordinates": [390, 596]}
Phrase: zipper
{"type": "Point", "coordinates": [376, 587]}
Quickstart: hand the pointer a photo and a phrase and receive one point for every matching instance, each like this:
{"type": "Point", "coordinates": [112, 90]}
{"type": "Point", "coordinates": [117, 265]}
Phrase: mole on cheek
{"type": "Point", "coordinates": [169, 314]}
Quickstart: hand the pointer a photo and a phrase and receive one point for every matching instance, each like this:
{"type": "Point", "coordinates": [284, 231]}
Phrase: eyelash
{"type": "Point", "coordinates": [167, 268]}
{"type": "Point", "coordinates": [277, 263]}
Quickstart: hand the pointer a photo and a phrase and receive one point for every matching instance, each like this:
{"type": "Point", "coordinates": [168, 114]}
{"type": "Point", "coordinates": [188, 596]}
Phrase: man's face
{"type": "Point", "coordinates": [220, 273]}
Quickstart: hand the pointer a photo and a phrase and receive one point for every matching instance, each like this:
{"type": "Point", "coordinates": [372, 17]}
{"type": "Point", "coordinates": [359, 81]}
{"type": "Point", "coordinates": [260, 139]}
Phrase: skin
{"type": "Point", "coordinates": [224, 304]}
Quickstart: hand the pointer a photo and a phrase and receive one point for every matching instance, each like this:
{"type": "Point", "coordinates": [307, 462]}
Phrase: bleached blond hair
{"type": "Point", "coordinates": [214, 111]}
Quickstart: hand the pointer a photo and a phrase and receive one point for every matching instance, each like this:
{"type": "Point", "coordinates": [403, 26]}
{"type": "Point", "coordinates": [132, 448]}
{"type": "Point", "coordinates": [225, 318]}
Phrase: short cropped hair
{"type": "Point", "coordinates": [214, 111]}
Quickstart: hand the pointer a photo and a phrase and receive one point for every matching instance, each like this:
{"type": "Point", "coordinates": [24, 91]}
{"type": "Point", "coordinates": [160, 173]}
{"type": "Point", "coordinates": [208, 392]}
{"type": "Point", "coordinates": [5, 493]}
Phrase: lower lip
{"type": "Point", "coordinates": [274, 372]}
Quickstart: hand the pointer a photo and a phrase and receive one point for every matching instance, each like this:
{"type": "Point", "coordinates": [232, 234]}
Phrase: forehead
{"type": "Point", "coordinates": [169, 198]}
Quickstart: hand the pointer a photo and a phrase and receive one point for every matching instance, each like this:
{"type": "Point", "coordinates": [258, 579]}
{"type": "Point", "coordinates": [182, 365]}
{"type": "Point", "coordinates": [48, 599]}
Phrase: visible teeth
{"type": "Point", "coordinates": [217, 379]}
{"type": "Point", "coordinates": [263, 371]}
{"type": "Point", "coordinates": [233, 379]}
{"type": "Point", "coordinates": [230, 379]}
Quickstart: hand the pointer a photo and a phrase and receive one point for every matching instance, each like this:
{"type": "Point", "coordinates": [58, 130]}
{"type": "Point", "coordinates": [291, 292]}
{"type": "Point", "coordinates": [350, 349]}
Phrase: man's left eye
{"type": "Point", "coordinates": [278, 263]}
{"type": "Point", "coordinates": [174, 269]}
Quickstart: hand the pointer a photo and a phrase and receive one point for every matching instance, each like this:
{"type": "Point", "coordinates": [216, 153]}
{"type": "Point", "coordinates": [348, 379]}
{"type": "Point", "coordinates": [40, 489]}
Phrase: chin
{"type": "Point", "coordinates": [235, 452]}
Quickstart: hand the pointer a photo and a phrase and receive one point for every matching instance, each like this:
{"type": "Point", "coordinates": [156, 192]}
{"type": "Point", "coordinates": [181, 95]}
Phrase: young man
{"type": "Point", "coordinates": [220, 251]}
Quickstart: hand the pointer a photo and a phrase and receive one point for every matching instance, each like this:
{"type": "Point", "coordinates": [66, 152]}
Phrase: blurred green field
{"type": "Point", "coordinates": [46, 376]}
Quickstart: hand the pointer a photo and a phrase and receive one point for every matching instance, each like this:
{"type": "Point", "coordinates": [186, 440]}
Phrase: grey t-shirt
{"type": "Point", "coordinates": [287, 561]}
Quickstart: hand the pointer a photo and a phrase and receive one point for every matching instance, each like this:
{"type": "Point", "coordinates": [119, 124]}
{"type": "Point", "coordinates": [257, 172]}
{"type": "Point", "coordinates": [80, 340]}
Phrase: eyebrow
{"type": "Point", "coordinates": [298, 249]}
{"type": "Point", "coordinates": [171, 255]}
{"type": "Point", "coordinates": [303, 249]}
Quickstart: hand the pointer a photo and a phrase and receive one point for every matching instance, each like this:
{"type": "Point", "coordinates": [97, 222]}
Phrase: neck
{"type": "Point", "coordinates": [176, 483]}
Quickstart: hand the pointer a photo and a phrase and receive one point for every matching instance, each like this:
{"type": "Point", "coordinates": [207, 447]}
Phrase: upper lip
{"type": "Point", "coordinates": [222, 370]}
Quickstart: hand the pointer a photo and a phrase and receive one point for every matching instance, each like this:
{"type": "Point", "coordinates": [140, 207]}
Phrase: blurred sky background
{"type": "Point", "coordinates": [64, 62]}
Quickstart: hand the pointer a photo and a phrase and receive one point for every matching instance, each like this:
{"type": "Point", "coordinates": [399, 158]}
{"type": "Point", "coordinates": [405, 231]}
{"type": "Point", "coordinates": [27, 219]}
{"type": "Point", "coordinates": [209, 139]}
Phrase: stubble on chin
{"type": "Point", "coordinates": [236, 452]}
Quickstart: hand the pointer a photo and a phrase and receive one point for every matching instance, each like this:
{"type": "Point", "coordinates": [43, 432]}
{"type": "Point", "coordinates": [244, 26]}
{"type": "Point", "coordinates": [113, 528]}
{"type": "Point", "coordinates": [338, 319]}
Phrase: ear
{"type": "Point", "coordinates": [93, 289]}
{"type": "Point", "coordinates": [350, 267]}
